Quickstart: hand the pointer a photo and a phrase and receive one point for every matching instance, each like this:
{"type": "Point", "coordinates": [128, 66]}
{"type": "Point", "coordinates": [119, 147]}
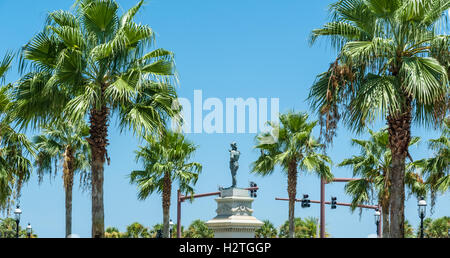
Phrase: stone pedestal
{"type": "Point", "coordinates": [234, 215]}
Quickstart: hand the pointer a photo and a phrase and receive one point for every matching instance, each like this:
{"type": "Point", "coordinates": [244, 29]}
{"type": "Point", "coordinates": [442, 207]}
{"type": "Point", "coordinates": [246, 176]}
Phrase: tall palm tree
{"type": "Point", "coordinates": [392, 62]}
{"type": "Point", "coordinates": [267, 230]}
{"type": "Point", "coordinates": [15, 148]}
{"type": "Point", "coordinates": [373, 167]}
{"type": "Point", "coordinates": [437, 168]}
{"type": "Point", "coordinates": [15, 166]}
{"type": "Point", "coordinates": [64, 143]}
{"type": "Point", "coordinates": [165, 160]}
{"type": "Point", "coordinates": [198, 229]}
{"type": "Point", "coordinates": [95, 63]}
{"type": "Point", "coordinates": [292, 147]}
{"type": "Point", "coordinates": [6, 178]}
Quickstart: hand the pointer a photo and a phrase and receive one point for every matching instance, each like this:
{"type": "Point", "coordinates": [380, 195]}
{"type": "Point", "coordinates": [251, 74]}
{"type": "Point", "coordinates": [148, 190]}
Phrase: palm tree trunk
{"type": "Point", "coordinates": [68, 211]}
{"type": "Point", "coordinates": [292, 192]}
{"type": "Point", "coordinates": [167, 191]}
{"type": "Point", "coordinates": [385, 217]}
{"type": "Point", "coordinates": [384, 203]}
{"type": "Point", "coordinates": [399, 128]}
{"type": "Point", "coordinates": [98, 142]}
{"type": "Point", "coordinates": [68, 173]}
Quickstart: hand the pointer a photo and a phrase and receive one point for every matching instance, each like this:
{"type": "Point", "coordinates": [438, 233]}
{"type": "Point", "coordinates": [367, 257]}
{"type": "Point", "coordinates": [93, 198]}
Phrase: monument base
{"type": "Point", "coordinates": [234, 215]}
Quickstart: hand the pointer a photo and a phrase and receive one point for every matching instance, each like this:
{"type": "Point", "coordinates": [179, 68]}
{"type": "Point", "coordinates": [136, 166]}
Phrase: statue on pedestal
{"type": "Point", "coordinates": [234, 164]}
{"type": "Point", "coordinates": [234, 207]}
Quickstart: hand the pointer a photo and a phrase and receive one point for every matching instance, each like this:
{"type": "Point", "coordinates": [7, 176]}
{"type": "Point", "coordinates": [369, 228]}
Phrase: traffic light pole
{"type": "Point", "coordinates": [322, 207]}
{"type": "Point", "coordinates": [323, 182]}
{"type": "Point", "coordinates": [181, 198]}
{"type": "Point", "coordinates": [322, 202]}
{"type": "Point", "coordinates": [322, 211]}
{"type": "Point", "coordinates": [338, 203]}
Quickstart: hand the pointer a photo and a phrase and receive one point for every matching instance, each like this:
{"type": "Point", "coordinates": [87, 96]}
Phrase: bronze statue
{"type": "Point", "coordinates": [234, 164]}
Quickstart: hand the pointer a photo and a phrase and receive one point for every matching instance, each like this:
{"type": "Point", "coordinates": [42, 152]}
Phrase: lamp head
{"type": "Point", "coordinates": [29, 229]}
{"type": "Point", "coordinates": [422, 204]}
{"type": "Point", "coordinates": [17, 213]}
{"type": "Point", "coordinates": [377, 215]}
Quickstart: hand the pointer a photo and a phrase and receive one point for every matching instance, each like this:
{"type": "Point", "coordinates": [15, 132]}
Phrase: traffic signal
{"type": "Point", "coordinates": [333, 203]}
{"type": "Point", "coordinates": [306, 203]}
{"type": "Point", "coordinates": [253, 192]}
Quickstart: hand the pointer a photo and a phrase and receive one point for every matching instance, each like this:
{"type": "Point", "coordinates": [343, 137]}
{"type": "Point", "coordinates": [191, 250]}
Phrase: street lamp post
{"type": "Point", "coordinates": [422, 213]}
{"type": "Point", "coordinates": [377, 221]}
{"type": "Point", "coordinates": [17, 213]}
{"type": "Point", "coordinates": [171, 228]}
{"type": "Point", "coordinates": [29, 230]}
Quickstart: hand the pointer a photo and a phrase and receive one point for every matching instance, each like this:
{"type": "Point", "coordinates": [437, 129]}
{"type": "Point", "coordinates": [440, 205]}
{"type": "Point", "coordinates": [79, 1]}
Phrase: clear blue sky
{"type": "Point", "coordinates": [232, 48]}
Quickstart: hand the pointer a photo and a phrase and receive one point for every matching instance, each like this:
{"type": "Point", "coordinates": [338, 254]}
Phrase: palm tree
{"type": "Point", "coordinates": [8, 229]}
{"type": "Point", "coordinates": [5, 65]}
{"type": "Point", "coordinates": [292, 147]}
{"type": "Point", "coordinates": [198, 229]}
{"type": "Point", "coordinates": [136, 230]}
{"type": "Point", "coordinates": [95, 63]}
{"type": "Point", "coordinates": [165, 160]}
{"type": "Point", "coordinates": [373, 168]}
{"type": "Point", "coordinates": [409, 230]}
{"type": "Point", "coordinates": [158, 227]}
{"type": "Point", "coordinates": [437, 228]}
{"type": "Point", "coordinates": [393, 62]}
{"type": "Point", "coordinates": [15, 168]}
{"type": "Point", "coordinates": [304, 228]}
{"type": "Point", "coordinates": [155, 229]}
{"type": "Point", "coordinates": [437, 168]}
{"type": "Point", "coordinates": [267, 230]}
{"type": "Point", "coordinates": [113, 232]}
{"type": "Point", "coordinates": [64, 143]}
